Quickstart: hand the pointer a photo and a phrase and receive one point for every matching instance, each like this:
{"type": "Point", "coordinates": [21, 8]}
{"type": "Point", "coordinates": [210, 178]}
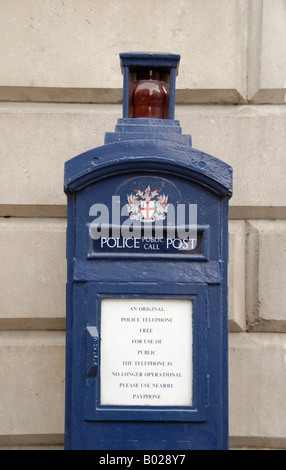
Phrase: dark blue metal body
{"type": "Point", "coordinates": [142, 153]}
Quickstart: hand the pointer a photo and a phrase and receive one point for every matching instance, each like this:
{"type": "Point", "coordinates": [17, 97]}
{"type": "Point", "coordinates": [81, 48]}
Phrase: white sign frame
{"type": "Point", "coordinates": [146, 352]}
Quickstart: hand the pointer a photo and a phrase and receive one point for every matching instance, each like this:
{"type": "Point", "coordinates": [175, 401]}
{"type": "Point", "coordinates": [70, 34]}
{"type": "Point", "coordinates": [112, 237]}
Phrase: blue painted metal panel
{"type": "Point", "coordinates": [198, 294]}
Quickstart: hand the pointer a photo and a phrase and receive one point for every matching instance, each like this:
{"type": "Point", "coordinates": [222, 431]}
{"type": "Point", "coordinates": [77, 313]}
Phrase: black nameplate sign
{"type": "Point", "coordinates": [150, 245]}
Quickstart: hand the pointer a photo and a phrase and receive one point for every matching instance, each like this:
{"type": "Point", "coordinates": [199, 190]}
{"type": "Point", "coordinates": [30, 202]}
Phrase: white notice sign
{"type": "Point", "coordinates": [146, 352]}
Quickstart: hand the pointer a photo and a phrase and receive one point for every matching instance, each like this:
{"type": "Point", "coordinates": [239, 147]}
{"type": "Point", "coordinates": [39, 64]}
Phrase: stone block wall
{"type": "Point", "coordinates": [60, 91]}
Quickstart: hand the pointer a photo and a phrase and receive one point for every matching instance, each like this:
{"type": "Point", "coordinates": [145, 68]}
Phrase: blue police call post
{"type": "Point", "coordinates": [147, 254]}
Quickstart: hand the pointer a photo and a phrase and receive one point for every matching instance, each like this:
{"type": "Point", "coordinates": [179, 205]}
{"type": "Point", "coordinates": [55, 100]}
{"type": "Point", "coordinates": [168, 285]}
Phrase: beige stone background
{"type": "Point", "coordinates": [60, 91]}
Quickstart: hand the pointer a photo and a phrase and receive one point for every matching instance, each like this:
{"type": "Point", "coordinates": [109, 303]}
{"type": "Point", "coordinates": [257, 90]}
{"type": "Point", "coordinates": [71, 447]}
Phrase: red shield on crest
{"type": "Point", "coordinates": [147, 209]}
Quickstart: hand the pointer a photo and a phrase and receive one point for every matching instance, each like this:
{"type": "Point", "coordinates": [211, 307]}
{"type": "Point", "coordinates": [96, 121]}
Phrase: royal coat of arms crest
{"type": "Point", "coordinates": [147, 206]}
